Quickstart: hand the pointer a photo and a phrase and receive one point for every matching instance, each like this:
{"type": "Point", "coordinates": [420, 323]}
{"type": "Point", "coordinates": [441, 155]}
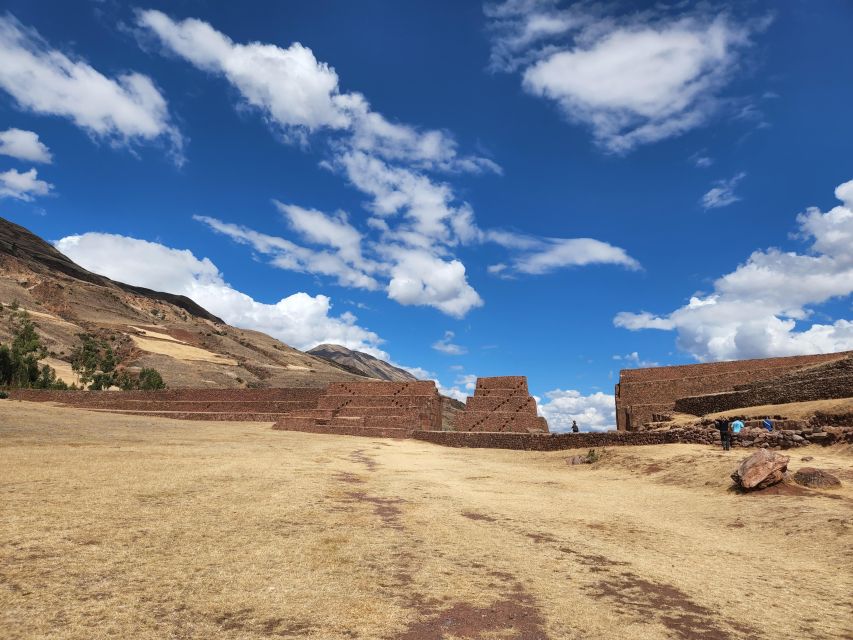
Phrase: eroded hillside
{"type": "Point", "coordinates": [188, 345]}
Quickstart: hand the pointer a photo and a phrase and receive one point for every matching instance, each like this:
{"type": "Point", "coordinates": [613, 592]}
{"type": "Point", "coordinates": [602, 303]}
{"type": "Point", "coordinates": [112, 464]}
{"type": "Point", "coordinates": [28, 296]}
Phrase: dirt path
{"type": "Point", "coordinates": [120, 526]}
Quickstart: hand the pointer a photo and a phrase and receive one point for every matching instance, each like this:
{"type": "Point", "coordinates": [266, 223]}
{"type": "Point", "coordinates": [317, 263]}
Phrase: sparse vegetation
{"type": "Point", "coordinates": [150, 380]}
{"type": "Point", "coordinates": [146, 380]}
{"type": "Point", "coordinates": [19, 362]}
{"type": "Point", "coordinates": [95, 363]}
{"type": "Point", "coordinates": [592, 456]}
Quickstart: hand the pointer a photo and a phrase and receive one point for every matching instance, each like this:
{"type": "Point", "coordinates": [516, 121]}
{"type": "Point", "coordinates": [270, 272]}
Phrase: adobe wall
{"type": "Point", "coordinates": [642, 392]}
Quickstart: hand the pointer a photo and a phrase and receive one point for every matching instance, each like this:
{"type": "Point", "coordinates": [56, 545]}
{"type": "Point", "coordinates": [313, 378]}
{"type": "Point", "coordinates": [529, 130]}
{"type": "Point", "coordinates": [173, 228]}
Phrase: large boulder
{"type": "Point", "coordinates": [762, 469]}
{"type": "Point", "coordinates": [816, 478]}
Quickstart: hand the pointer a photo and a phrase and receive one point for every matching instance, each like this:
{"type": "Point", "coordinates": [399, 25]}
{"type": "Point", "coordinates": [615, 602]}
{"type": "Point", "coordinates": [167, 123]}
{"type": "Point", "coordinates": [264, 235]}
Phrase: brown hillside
{"type": "Point", "coordinates": [361, 363]}
{"type": "Point", "coordinates": [189, 346]}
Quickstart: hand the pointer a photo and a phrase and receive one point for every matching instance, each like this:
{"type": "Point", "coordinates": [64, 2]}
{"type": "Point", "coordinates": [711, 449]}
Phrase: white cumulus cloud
{"type": "Point", "coordinates": [764, 307]}
{"type": "Point", "coordinates": [416, 220]}
{"type": "Point", "coordinates": [22, 186]}
{"type": "Point", "coordinates": [24, 145]}
{"type": "Point", "coordinates": [300, 94]}
{"type": "Point", "coordinates": [300, 320]}
{"type": "Point", "coordinates": [594, 412]}
{"type": "Point", "coordinates": [633, 79]}
{"type": "Point", "coordinates": [43, 80]}
{"type": "Point", "coordinates": [421, 278]}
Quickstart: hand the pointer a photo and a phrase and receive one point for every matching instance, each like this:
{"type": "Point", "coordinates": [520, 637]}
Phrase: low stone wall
{"type": "Point", "coordinates": [759, 437]}
{"type": "Point", "coordinates": [703, 435]}
{"type": "Point", "coordinates": [544, 441]}
{"type": "Point", "coordinates": [343, 430]}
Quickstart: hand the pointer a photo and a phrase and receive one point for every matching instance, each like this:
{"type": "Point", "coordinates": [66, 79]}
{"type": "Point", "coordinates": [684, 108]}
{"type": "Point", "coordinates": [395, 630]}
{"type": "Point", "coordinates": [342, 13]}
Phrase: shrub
{"type": "Point", "coordinates": [3, 395]}
{"type": "Point", "coordinates": [151, 380]}
{"type": "Point", "coordinates": [593, 456]}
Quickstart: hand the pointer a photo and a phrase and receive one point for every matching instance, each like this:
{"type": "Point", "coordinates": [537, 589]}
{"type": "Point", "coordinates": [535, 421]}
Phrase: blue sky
{"type": "Point", "coordinates": [529, 187]}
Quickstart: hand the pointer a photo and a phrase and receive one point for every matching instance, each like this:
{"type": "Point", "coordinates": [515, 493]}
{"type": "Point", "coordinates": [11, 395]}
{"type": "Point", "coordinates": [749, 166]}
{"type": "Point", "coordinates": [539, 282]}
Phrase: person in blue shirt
{"type": "Point", "coordinates": [737, 425]}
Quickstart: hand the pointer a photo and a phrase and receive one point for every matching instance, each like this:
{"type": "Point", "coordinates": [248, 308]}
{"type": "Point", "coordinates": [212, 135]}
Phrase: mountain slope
{"type": "Point", "coordinates": [362, 363]}
{"type": "Point", "coordinates": [188, 345]}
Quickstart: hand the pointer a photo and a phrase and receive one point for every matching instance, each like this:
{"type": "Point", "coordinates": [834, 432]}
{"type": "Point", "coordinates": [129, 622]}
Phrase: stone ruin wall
{"type": "Point", "coordinates": [826, 382]}
{"type": "Point", "coordinates": [386, 412]}
{"type": "Point", "coordinates": [802, 436]}
{"type": "Point", "coordinates": [643, 392]}
{"type": "Point", "coordinates": [383, 409]}
{"type": "Point", "coordinates": [500, 404]}
{"type": "Point", "coordinates": [243, 405]}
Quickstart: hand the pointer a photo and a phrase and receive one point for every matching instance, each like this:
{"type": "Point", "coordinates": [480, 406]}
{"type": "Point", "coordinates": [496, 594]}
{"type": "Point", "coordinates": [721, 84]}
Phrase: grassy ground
{"type": "Point", "coordinates": [123, 526]}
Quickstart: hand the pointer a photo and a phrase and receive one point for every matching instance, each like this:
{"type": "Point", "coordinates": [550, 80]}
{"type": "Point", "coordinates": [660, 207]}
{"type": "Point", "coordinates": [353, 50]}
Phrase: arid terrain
{"type": "Point", "coordinates": [121, 526]}
{"type": "Point", "coordinates": [189, 346]}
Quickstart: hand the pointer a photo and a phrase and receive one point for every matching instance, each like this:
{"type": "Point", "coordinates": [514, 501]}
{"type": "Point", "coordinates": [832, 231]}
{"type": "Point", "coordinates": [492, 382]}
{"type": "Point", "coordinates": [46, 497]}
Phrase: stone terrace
{"type": "Point", "coordinates": [262, 405]}
{"type": "Point", "coordinates": [644, 392]}
{"type": "Point", "coordinates": [386, 409]}
{"type": "Point", "coordinates": [500, 404]}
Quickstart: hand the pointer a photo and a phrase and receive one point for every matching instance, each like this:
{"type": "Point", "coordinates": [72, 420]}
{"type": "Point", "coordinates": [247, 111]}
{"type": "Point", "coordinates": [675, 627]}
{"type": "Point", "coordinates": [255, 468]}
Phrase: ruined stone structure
{"type": "Point", "coordinates": [826, 381]}
{"type": "Point", "coordinates": [401, 410]}
{"type": "Point", "coordinates": [390, 409]}
{"type": "Point", "coordinates": [501, 404]}
{"type": "Point", "coordinates": [644, 392]}
{"type": "Point", "coordinates": [261, 405]}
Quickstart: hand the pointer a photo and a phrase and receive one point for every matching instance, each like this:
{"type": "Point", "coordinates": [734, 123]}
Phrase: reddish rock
{"type": "Point", "coordinates": [760, 470]}
{"type": "Point", "coordinates": [816, 478]}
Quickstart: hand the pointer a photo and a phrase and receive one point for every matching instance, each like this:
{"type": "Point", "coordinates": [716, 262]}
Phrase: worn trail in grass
{"type": "Point", "coordinates": [123, 526]}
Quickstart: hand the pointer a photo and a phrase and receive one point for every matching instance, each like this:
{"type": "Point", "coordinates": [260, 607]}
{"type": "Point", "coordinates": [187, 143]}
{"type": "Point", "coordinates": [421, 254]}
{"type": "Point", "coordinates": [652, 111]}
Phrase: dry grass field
{"type": "Point", "coordinates": [132, 527]}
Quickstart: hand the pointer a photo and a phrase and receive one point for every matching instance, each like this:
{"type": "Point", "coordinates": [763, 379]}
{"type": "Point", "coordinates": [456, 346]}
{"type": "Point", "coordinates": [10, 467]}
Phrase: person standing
{"type": "Point", "coordinates": [737, 425]}
{"type": "Point", "coordinates": [725, 433]}
{"type": "Point", "coordinates": [575, 427]}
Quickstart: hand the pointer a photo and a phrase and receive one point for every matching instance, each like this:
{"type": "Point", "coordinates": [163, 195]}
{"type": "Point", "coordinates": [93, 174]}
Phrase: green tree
{"type": "Point", "coordinates": [150, 380]}
{"type": "Point", "coordinates": [19, 362]}
{"type": "Point", "coordinates": [94, 363]}
{"type": "Point", "coordinates": [7, 366]}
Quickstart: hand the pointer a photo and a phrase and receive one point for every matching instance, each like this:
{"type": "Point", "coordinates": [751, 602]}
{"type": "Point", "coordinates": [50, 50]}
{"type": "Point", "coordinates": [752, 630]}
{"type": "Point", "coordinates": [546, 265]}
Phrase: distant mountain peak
{"type": "Point", "coordinates": [360, 362]}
